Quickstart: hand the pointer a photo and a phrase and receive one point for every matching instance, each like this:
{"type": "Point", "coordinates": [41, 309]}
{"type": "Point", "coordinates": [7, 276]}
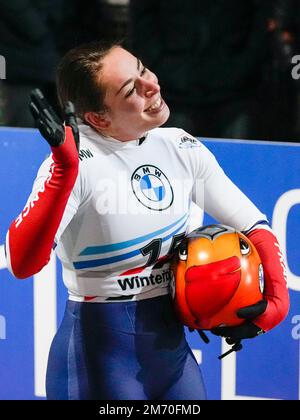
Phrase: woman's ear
{"type": "Point", "coordinates": [98, 120]}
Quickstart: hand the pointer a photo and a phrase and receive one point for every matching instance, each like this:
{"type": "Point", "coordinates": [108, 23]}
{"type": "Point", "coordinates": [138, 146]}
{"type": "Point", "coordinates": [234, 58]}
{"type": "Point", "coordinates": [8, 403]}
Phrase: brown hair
{"type": "Point", "coordinates": [77, 77]}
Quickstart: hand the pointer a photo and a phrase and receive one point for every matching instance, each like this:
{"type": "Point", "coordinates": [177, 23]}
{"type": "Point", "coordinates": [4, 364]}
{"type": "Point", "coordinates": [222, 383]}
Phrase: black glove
{"type": "Point", "coordinates": [246, 330]}
{"type": "Point", "coordinates": [50, 125]}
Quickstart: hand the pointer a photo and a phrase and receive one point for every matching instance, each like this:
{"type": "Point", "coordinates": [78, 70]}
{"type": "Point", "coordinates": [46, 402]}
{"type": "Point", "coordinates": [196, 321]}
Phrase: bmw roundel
{"type": "Point", "coordinates": [152, 188]}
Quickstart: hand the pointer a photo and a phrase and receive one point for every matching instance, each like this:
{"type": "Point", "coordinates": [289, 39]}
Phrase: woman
{"type": "Point", "coordinates": [115, 216]}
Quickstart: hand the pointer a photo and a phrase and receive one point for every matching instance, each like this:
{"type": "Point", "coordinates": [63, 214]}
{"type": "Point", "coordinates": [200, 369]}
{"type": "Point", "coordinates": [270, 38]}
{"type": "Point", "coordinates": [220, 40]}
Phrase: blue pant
{"type": "Point", "coordinates": [122, 351]}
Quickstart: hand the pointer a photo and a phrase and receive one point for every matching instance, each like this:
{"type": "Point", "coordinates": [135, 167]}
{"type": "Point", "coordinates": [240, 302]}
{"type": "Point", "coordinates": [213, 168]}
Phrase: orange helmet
{"type": "Point", "coordinates": [217, 271]}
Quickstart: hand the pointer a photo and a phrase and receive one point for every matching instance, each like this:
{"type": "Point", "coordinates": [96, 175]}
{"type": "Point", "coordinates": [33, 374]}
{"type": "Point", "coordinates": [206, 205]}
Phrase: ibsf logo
{"type": "Point", "coordinates": [188, 142]}
{"type": "Point", "coordinates": [2, 67]}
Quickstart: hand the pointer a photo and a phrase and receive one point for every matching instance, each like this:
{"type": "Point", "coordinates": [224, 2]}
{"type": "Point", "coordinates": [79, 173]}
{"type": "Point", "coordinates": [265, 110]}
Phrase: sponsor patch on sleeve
{"type": "Point", "coordinates": [187, 142]}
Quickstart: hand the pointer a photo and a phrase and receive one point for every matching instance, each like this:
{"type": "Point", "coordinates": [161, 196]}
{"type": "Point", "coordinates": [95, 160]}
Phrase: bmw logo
{"type": "Point", "coordinates": [152, 188]}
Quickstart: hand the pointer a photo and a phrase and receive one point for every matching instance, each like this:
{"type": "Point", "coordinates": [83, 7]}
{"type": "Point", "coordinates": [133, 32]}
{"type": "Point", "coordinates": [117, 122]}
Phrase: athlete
{"type": "Point", "coordinates": [115, 212]}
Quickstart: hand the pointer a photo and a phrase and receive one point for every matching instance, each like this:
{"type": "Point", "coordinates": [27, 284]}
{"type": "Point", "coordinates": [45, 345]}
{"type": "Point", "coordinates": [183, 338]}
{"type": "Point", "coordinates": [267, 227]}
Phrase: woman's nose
{"type": "Point", "coordinates": [149, 87]}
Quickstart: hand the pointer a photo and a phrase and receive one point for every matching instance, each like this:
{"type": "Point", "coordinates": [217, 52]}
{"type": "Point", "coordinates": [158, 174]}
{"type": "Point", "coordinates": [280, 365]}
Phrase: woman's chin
{"type": "Point", "coordinates": [163, 117]}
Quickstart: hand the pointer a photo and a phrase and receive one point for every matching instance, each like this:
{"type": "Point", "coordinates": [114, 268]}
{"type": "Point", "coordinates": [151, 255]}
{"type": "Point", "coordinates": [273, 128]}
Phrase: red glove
{"type": "Point", "coordinates": [31, 235]}
{"type": "Point", "coordinates": [266, 314]}
{"type": "Point", "coordinates": [275, 292]}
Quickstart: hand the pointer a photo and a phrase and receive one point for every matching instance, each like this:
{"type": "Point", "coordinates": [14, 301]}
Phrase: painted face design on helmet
{"type": "Point", "coordinates": [217, 272]}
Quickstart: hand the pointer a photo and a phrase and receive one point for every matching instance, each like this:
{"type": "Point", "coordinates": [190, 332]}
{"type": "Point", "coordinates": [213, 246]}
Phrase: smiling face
{"type": "Point", "coordinates": [133, 101]}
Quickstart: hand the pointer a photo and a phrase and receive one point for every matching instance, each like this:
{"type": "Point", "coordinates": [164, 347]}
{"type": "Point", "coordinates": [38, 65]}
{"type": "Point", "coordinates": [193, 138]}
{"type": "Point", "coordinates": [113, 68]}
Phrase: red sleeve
{"type": "Point", "coordinates": [31, 235]}
{"type": "Point", "coordinates": [275, 292]}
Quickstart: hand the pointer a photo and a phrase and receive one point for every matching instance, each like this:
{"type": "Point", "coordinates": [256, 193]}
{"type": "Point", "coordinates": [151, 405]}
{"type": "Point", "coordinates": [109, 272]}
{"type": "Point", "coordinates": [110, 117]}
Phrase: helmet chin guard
{"type": "Point", "coordinates": [217, 271]}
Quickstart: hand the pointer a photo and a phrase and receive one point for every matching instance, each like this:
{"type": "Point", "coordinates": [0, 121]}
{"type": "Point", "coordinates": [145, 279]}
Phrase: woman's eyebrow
{"type": "Point", "coordinates": [130, 80]}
